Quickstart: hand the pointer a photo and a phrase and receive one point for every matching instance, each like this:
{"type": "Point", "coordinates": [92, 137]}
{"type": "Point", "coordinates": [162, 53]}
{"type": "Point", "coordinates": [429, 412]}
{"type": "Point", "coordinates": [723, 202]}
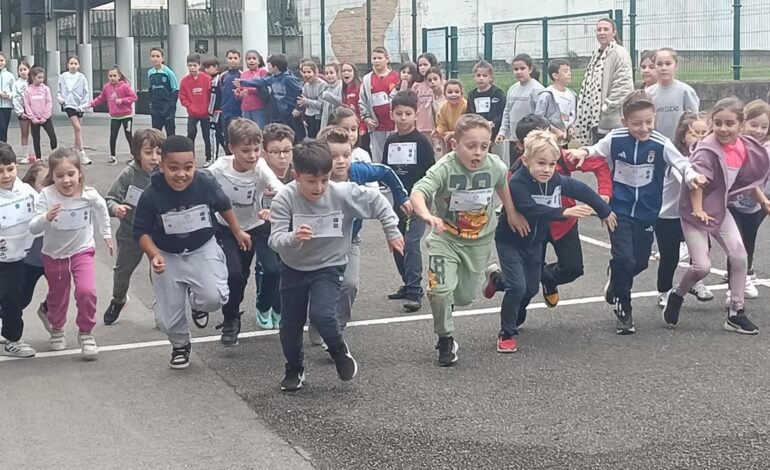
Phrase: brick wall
{"type": "Point", "coordinates": [348, 30]}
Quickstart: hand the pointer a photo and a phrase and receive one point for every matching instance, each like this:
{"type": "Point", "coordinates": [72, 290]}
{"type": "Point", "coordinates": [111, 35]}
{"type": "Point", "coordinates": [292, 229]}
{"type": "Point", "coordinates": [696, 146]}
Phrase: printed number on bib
{"type": "Point", "coordinates": [16, 212]}
{"type": "Point", "coordinates": [483, 104]}
{"type": "Point", "coordinates": [240, 192]}
{"type": "Point", "coordinates": [554, 200]}
{"type": "Point", "coordinates": [73, 219]}
{"type": "Point", "coordinates": [133, 194]}
{"type": "Point", "coordinates": [472, 200]}
{"type": "Point", "coordinates": [187, 221]}
{"type": "Point", "coordinates": [635, 176]}
{"type": "Point", "coordinates": [323, 225]}
{"type": "Point", "coordinates": [402, 154]}
{"type": "Point", "coordinates": [380, 99]}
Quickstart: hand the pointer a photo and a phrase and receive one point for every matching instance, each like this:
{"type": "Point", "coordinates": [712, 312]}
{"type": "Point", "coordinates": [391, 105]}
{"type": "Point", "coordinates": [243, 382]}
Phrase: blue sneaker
{"type": "Point", "coordinates": [265, 320]}
{"type": "Point", "coordinates": [276, 319]}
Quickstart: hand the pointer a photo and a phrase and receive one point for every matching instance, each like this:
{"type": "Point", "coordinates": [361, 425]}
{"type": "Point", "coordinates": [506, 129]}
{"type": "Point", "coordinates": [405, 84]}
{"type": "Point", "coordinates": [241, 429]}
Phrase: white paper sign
{"type": "Point", "coordinates": [483, 104]}
{"type": "Point", "coordinates": [553, 200]}
{"type": "Point", "coordinates": [240, 192]}
{"type": "Point", "coordinates": [470, 200]}
{"type": "Point", "coordinates": [73, 219]}
{"type": "Point", "coordinates": [267, 200]}
{"type": "Point", "coordinates": [380, 99]}
{"type": "Point", "coordinates": [133, 194]}
{"type": "Point", "coordinates": [187, 221]}
{"type": "Point", "coordinates": [323, 225]}
{"type": "Point", "coordinates": [16, 212]}
{"type": "Point", "coordinates": [635, 176]}
{"type": "Point", "coordinates": [404, 153]}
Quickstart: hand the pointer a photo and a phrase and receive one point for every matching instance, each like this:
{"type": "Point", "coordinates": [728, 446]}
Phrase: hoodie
{"type": "Point", "coordinates": [195, 93]}
{"type": "Point", "coordinates": [285, 89]}
{"type": "Point", "coordinates": [17, 207]}
{"type": "Point", "coordinates": [37, 102]}
{"type": "Point", "coordinates": [6, 85]}
{"type": "Point", "coordinates": [110, 93]}
{"type": "Point", "coordinates": [127, 189]}
{"type": "Point", "coordinates": [74, 91]}
{"type": "Point", "coordinates": [18, 95]}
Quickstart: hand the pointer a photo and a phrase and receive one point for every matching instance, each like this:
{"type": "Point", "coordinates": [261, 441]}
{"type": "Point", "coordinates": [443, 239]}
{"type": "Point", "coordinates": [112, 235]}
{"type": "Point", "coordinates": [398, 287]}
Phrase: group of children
{"type": "Point", "coordinates": [297, 207]}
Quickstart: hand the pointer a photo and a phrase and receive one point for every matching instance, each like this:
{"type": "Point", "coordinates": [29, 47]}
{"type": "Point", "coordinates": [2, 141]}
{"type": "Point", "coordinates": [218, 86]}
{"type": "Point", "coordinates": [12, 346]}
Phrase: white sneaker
{"type": "Point", "coordinates": [42, 313]}
{"type": "Point", "coordinates": [84, 160]}
{"type": "Point", "coordinates": [751, 291]}
{"type": "Point", "coordinates": [57, 340]}
{"type": "Point", "coordinates": [655, 256]}
{"type": "Point", "coordinates": [19, 349]}
{"type": "Point", "coordinates": [23, 161]}
{"type": "Point", "coordinates": [112, 161]}
{"type": "Point", "coordinates": [701, 292]}
{"type": "Point", "coordinates": [89, 349]}
{"type": "Point", "coordinates": [683, 253]}
{"type": "Point", "coordinates": [662, 296]}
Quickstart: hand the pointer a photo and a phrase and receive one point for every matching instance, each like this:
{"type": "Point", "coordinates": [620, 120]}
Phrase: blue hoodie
{"type": "Point", "coordinates": [285, 90]}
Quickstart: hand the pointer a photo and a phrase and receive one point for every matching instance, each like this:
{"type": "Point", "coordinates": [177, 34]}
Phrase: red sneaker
{"type": "Point", "coordinates": [507, 345]}
{"type": "Point", "coordinates": [490, 275]}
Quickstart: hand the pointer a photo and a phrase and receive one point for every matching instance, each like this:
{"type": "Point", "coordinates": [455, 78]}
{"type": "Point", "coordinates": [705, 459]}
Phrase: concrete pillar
{"type": "Point", "coordinates": [177, 11]}
{"type": "Point", "coordinates": [178, 43]}
{"type": "Point", "coordinates": [124, 41]}
{"type": "Point", "coordinates": [86, 65]}
{"type": "Point", "coordinates": [83, 19]}
{"type": "Point", "coordinates": [255, 26]}
{"type": "Point", "coordinates": [5, 26]}
{"type": "Point", "coordinates": [26, 33]}
{"type": "Point", "coordinates": [53, 61]}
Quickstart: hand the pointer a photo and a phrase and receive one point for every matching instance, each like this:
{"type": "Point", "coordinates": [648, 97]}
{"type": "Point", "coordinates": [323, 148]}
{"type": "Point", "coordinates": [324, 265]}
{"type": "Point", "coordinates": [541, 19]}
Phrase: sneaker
{"type": "Point", "coordinates": [550, 296]}
{"type": "Point", "coordinates": [19, 349]}
{"type": "Point", "coordinates": [292, 380]}
{"type": "Point", "coordinates": [609, 294]}
{"type": "Point", "coordinates": [314, 336]}
{"type": "Point", "coordinates": [347, 367]}
{"type": "Point", "coordinates": [265, 320]}
{"type": "Point", "coordinates": [740, 323]}
{"type": "Point", "coordinates": [671, 310]}
{"type": "Point", "coordinates": [113, 312]}
{"type": "Point", "coordinates": [89, 351]}
{"type": "Point", "coordinates": [230, 330]}
{"type": "Point", "coordinates": [624, 321]}
{"type": "Point", "coordinates": [506, 344]}
{"type": "Point", "coordinates": [200, 318]}
{"type": "Point", "coordinates": [57, 340]}
{"type": "Point", "coordinates": [413, 303]}
{"type": "Point", "coordinates": [447, 351]}
{"type": "Point", "coordinates": [84, 160]}
{"type": "Point", "coordinates": [276, 320]}
{"type": "Point", "coordinates": [112, 161]}
{"type": "Point", "coordinates": [180, 357]}
{"type": "Point", "coordinates": [491, 274]}
{"type": "Point", "coordinates": [42, 313]}
{"type": "Point", "coordinates": [23, 161]}
{"type": "Point", "coordinates": [400, 294]}
{"type": "Point", "coordinates": [701, 292]}
{"type": "Point", "coordinates": [751, 291]}
{"type": "Point", "coordinates": [655, 256]}
{"type": "Point", "coordinates": [662, 299]}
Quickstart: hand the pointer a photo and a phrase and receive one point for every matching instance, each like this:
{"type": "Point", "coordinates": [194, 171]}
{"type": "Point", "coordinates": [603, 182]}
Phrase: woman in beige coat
{"type": "Point", "coordinates": [607, 82]}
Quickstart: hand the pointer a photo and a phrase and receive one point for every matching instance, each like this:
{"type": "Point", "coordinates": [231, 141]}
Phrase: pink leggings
{"type": "Point", "coordinates": [729, 238]}
{"type": "Point", "coordinates": [60, 274]}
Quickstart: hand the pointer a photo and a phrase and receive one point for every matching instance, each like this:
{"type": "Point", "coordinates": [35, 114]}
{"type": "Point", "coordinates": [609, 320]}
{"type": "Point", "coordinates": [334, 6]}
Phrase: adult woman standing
{"type": "Point", "coordinates": [607, 81]}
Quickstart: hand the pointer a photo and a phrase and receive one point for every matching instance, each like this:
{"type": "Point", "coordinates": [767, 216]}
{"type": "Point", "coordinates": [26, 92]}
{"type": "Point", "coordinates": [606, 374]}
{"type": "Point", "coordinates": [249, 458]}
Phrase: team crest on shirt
{"type": "Point", "coordinates": [651, 156]}
{"type": "Point", "coordinates": [163, 79]}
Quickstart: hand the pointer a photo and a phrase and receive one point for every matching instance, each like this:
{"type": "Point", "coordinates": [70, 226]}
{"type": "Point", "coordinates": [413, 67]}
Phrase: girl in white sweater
{"type": "Point", "coordinates": [74, 96]}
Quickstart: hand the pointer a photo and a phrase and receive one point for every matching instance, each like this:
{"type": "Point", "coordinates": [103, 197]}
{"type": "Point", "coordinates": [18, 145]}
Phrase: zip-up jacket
{"type": "Point", "coordinates": [164, 90]}
{"type": "Point", "coordinates": [18, 95]}
{"type": "Point", "coordinates": [285, 89]}
{"type": "Point", "coordinates": [6, 85]}
{"type": "Point", "coordinates": [74, 90]}
{"type": "Point", "coordinates": [215, 101]}
{"type": "Point", "coordinates": [231, 106]}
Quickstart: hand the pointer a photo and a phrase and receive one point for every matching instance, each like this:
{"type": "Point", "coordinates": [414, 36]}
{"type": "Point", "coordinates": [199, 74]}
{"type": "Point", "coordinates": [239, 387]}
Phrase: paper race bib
{"type": "Point", "coordinates": [553, 200]}
{"type": "Point", "coordinates": [470, 200]}
{"type": "Point", "coordinates": [635, 176]}
{"type": "Point", "coordinates": [133, 194]}
{"type": "Point", "coordinates": [483, 104]}
{"type": "Point", "coordinates": [380, 99]}
{"type": "Point", "coordinates": [190, 220]}
{"type": "Point", "coordinates": [16, 212]}
{"type": "Point", "coordinates": [402, 153]}
{"type": "Point", "coordinates": [267, 201]}
{"type": "Point", "coordinates": [73, 219]}
{"type": "Point", "coordinates": [239, 191]}
{"type": "Point", "coordinates": [323, 225]}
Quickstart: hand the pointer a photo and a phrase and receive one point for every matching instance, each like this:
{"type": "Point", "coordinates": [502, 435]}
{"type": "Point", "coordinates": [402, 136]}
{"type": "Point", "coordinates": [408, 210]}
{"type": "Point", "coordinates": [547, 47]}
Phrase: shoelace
{"type": "Point", "coordinates": [201, 319]}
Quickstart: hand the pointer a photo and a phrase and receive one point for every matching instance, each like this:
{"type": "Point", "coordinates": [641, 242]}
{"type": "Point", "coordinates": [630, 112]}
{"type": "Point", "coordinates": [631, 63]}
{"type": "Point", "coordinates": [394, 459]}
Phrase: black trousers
{"type": "Point", "coordinates": [159, 121]}
{"type": "Point", "coordinates": [669, 235]}
{"type": "Point", "coordinates": [5, 121]}
{"type": "Point", "coordinates": [631, 245]}
{"type": "Point", "coordinates": [32, 274]}
{"type": "Point", "coordinates": [192, 132]}
{"type": "Point", "coordinates": [115, 125]}
{"type": "Point", "coordinates": [10, 300]}
{"type": "Point", "coordinates": [569, 259]}
{"type": "Point", "coordinates": [238, 269]}
{"type": "Point", "coordinates": [48, 127]}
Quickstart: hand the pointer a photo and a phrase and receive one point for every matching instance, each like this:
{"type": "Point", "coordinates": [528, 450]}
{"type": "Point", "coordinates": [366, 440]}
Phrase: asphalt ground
{"type": "Point", "coordinates": [576, 395]}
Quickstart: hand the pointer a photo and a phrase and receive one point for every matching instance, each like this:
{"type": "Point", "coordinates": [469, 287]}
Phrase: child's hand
{"type": "Point", "coordinates": [579, 211]}
{"type": "Point", "coordinates": [448, 136]}
{"type": "Point", "coordinates": [606, 199]}
{"type": "Point", "coordinates": [577, 156]}
{"type": "Point", "coordinates": [499, 139]}
{"type": "Point", "coordinates": [303, 233]}
{"type": "Point", "coordinates": [301, 100]}
{"type": "Point", "coordinates": [264, 214]}
{"type": "Point", "coordinates": [158, 264]}
{"type": "Point", "coordinates": [518, 223]}
{"type": "Point", "coordinates": [702, 216]}
{"type": "Point", "coordinates": [61, 100]}
{"type": "Point", "coordinates": [122, 210]}
{"type": "Point", "coordinates": [244, 240]}
{"type": "Point", "coordinates": [295, 113]}
{"type": "Point", "coordinates": [435, 134]}
{"type": "Point", "coordinates": [698, 182]}
{"type": "Point", "coordinates": [51, 214]}
{"type": "Point", "coordinates": [370, 123]}
{"type": "Point", "coordinates": [118, 101]}
{"type": "Point", "coordinates": [397, 245]}
{"type": "Point", "coordinates": [237, 82]}
{"type": "Point", "coordinates": [404, 85]}
{"type": "Point", "coordinates": [436, 223]}
{"type": "Point", "coordinates": [611, 222]}
{"type": "Point", "coordinates": [765, 206]}
{"type": "Point", "coordinates": [407, 208]}
{"type": "Point", "coordinates": [108, 243]}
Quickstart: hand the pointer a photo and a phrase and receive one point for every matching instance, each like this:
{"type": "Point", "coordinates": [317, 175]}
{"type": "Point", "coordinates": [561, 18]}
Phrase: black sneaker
{"type": "Point", "coordinates": [447, 351]}
{"type": "Point", "coordinates": [740, 323]}
{"type": "Point", "coordinates": [624, 320]}
{"type": "Point", "coordinates": [347, 367]}
{"type": "Point", "coordinates": [672, 308]}
{"type": "Point", "coordinates": [609, 291]}
{"type": "Point", "coordinates": [113, 312]}
{"type": "Point", "coordinates": [200, 318]}
{"type": "Point", "coordinates": [292, 380]}
{"type": "Point", "coordinates": [230, 330]}
{"type": "Point", "coordinates": [413, 303]}
{"type": "Point", "coordinates": [400, 294]}
{"type": "Point", "coordinates": [180, 357]}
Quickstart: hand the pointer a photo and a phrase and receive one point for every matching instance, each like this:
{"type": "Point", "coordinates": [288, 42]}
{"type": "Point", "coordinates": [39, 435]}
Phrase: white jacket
{"type": "Point", "coordinates": [72, 231]}
{"type": "Point", "coordinates": [6, 85]}
{"type": "Point", "coordinates": [18, 95]}
{"type": "Point", "coordinates": [74, 90]}
{"type": "Point", "coordinates": [17, 207]}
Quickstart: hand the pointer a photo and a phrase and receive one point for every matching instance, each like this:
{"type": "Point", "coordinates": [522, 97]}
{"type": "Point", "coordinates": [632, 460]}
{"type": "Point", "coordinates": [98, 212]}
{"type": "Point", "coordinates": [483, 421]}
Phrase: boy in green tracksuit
{"type": "Point", "coordinates": [461, 185]}
{"type": "Point", "coordinates": [121, 202]}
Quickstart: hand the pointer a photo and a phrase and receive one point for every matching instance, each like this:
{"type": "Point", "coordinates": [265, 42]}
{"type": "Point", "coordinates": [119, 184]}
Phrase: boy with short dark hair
{"type": "Point", "coordinates": [216, 134]}
{"type": "Point", "coordinates": [312, 224]}
{"type": "Point", "coordinates": [164, 90]}
{"type": "Point", "coordinates": [174, 226]}
{"type": "Point", "coordinates": [195, 94]}
{"type": "Point", "coordinates": [374, 101]}
{"type": "Point", "coordinates": [410, 154]}
{"type": "Point", "coordinates": [557, 103]}
{"type": "Point", "coordinates": [231, 104]}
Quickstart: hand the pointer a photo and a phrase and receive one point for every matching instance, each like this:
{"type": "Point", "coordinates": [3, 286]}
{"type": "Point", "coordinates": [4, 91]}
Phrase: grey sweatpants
{"type": "Point", "coordinates": [128, 258]}
{"type": "Point", "coordinates": [199, 276]}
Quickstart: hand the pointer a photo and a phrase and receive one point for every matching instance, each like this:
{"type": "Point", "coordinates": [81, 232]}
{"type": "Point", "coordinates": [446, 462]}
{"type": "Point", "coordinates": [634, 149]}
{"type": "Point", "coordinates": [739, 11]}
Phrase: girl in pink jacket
{"type": "Point", "coordinates": [38, 108]}
{"type": "Point", "coordinates": [120, 98]}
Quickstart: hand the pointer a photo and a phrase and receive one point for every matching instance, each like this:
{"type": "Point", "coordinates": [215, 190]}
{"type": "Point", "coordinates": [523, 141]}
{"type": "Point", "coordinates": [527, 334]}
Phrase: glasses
{"type": "Point", "coordinates": [278, 153]}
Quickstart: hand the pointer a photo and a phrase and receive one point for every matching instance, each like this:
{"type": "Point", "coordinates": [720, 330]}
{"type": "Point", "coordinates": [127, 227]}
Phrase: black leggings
{"type": "Point", "coordinates": [569, 259]}
{"type": "Point", "coordinates": [748, 225]}
{"type": "Point", "coordinates": [32, 274]}
{"type": "Point", "coordinates": [115, 125]}
{"type": "Point", "coordinates": [48, 127]}
{"type": "Point", "coordinates": [669, 235]}
{"type": "Point", "coordinates": [5, 121]}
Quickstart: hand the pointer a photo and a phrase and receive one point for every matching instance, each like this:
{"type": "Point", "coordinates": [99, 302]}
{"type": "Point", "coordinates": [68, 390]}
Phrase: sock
{"type": "Point", "coordinates": [25, 151]}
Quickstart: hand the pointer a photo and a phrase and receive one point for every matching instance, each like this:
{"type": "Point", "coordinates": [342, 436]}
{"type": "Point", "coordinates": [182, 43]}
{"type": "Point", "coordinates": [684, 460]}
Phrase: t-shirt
{"type": "Point", "coordinates": [410, 156]}
{"type": "Point", "coordinates": [489, 104]}
{"type": "Point", "coordinates": [384, 85]}
{"type": "Point", "coordinates": [567, 102]}
{"type": "Point", "coordinates": [670, 103]}
{"type": "Point", "coordinates": [464, 198]}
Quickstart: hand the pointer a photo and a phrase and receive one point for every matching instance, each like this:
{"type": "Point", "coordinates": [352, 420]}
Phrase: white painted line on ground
{"type": "Point", "coordinates": [374, 321]}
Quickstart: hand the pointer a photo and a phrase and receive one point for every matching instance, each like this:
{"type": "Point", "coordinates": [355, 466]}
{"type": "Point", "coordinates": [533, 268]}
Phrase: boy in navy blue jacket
{"type": "Point", "coordinates": [164, 91]}
{"type": "Point", "coordinates": [536, 190]}
{"type": "Point", "coordinates": [231, 105]}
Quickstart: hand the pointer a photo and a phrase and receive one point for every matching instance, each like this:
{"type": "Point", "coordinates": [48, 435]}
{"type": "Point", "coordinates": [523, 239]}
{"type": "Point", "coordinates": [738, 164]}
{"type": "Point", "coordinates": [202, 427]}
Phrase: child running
{"type": "Point", "coordinates": [520, 100]}
{"type": "Point", "coordinates": [33, 262]}
{"type": "Point", "coordinates": [174, 226]}
{"type": "Point", "coordinates": [312, 227]}
{"type": "Point", "coordinates": [38, 107]}
{"type": "Point", "coordinates": [486, 99]}
{"type": "Point", "coordinates": [121, 202]}
{"type": "Point", "coordinates": [21, 83]}
{"type": "Point", "coordinates": [74, 96]}
{"type": "Point", "coordinates": [461, 185]}
{"type": "Point", "coordinates": [120, 98]}
{"type": "Point", "coordinates": [64, 215]}
{"type": "Point", "coordinates": [17, 207]}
